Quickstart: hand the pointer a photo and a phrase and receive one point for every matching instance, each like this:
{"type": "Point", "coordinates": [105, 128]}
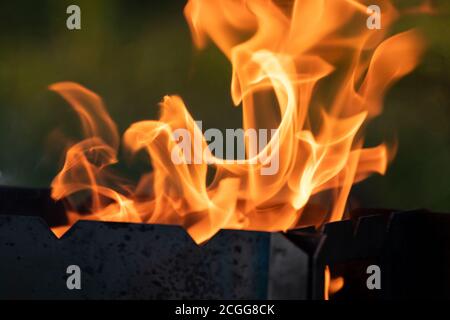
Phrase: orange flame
{"type": "Point", "coordinates": [328, 73]}
{"type": "Point", "coordinates": [331, 285]}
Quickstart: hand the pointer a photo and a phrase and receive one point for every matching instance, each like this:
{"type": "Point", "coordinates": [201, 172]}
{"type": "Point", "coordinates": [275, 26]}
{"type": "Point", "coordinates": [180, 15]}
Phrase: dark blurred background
{"type": "Point", "coordinates": [132, 53]}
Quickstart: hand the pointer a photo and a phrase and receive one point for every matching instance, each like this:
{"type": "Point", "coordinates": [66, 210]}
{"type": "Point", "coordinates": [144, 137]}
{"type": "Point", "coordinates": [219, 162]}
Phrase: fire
{"type": "Point", "coordinates": [328, 74]}
{"type": "Point", "coordinates": [331, 285]}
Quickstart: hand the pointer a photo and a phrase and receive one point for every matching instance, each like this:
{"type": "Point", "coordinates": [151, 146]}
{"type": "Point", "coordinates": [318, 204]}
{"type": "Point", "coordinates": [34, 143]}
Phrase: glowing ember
{"type": "Point", "coordinates": [328, 73]}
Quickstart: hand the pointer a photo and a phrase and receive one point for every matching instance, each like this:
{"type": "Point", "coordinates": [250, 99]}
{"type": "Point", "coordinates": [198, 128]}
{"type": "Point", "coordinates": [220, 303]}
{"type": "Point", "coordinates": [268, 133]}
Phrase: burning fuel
{"type": "Point", "coordinates": [311, 73]}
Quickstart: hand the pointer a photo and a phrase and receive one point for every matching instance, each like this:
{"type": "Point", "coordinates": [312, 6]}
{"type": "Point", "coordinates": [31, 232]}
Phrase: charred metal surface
{"type": "Point", "coordinates": [141, 261]}
{"type": "Point", "coordinates": [289, 268]}
{"type": "Point", "coordinates": [120, 260]}
{"type": "Point", "coordinates": [412, 250]}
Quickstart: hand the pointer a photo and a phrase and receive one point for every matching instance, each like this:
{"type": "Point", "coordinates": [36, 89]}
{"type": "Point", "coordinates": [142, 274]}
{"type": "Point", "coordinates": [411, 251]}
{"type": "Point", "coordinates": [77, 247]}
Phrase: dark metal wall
{"type": "Point", "coordinates": [142, 261]}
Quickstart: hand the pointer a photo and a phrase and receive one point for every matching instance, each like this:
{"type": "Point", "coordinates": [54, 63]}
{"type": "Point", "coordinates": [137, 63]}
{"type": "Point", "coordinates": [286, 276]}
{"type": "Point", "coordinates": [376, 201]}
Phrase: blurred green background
{"type": "Point", "coordinates": [132, 53]}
